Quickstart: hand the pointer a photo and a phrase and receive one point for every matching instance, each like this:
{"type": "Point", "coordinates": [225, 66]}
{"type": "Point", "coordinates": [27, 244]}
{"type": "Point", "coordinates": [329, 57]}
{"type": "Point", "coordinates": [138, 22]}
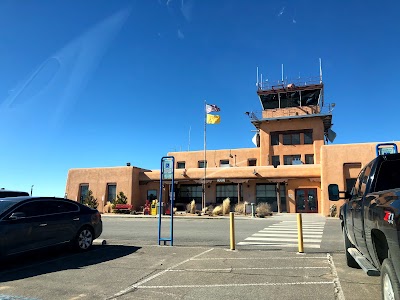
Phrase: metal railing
{"type": "Point", "coordinates": [326, 109]}
{"type": "Point", "coordinates": [269, 85]}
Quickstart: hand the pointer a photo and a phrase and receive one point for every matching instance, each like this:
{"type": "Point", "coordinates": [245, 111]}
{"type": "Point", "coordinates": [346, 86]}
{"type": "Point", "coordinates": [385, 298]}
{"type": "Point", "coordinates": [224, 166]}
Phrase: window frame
{"type": "Point", "coordinates": [224, 165]}
{"type": "Point", "coordinates": [45, 202]}
{"type": "Point", "coordinates": [204, 162]}
{"type": "Point", "coordinates": [252, 160]}
{"type": "Point", "coordinates": [108, 193]}
{"type": "Point", "coordinates": [292, 156]}
{"type": "Point", "coordinates": [306, 156]}
{"type": "Point", "coordinates": [80, 196]}
{"type": "Point", "coordinates": [274, 138]}
{"type": "Point", "coordinates": [179, 164]}
{"type": "Point", "coordinates": [290, 134]}
{"type": "Point", "coordinates": [305, 132]}
{"type": "Point", "coordinates": [275, 156]}
{"type": "Point", "coordinates": [147, 194]}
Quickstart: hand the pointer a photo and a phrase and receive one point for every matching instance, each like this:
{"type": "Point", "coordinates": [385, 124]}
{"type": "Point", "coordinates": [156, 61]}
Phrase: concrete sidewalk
{"type": "Point", "coordinates": [179, 216]}
{"type": "Point", "coordinates": [239, 217]}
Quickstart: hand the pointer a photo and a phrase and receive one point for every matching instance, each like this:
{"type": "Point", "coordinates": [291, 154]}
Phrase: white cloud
{"type": "Point", "coordinates": [294, 21]}
{"type": "Point", "coordinates": [281, 12]}
{"type": "Point", "coordinates": [187, 9]}
{"type": "Point", "coordinates": [180, 34]}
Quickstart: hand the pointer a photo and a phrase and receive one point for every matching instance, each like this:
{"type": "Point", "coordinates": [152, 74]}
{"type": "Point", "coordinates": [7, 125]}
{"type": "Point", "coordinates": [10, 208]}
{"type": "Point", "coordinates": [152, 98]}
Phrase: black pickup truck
{"type": "Point", "coordinates": [371, 224]}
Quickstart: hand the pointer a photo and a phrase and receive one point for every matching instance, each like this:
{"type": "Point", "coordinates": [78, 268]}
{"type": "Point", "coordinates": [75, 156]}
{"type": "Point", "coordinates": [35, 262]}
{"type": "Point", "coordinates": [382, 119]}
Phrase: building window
{"type": "Point", "coordinates": [309, 159]}
{"type": "Point", "coordinates": [151, 195]}
{"type": "Point", "coordinates": [224, 163]}
{"type": "Point", "coordinates": [267, 193]}
{"type": "Point", "coordinates": [252, 162]}
{"type": "Point", "coordinates": [186, 193]}
{"type": "Point", "coordinates": [275, 160]}
{"type": "Point", "coordinates": [83, 190]}
{"type": "Point", "coordinates": [291, 138]}
{"type": "Point", "coordinates": [202, 164]}
{"type": "Point", "coordinates": [227, 191]}
{"type": "Point", "coordinates": [180, 165]}
{"type": "Point", "coordinates": [289, 159]}
{"type": "Point", "coordinates": [308, 138]}
{"type": "Point", "coordinates": [274, 138]}
{"type": "Point", "coordinates": [111, 192]}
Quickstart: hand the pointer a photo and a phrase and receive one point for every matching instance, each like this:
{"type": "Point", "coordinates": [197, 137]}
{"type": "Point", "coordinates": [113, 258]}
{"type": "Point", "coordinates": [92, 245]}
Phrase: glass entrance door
{"type": "Point", "coordinates": [306, 201]}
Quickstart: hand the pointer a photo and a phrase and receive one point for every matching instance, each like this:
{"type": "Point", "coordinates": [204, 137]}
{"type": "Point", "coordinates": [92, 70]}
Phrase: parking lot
{"type": "Point", "coordinates": [128, 269]}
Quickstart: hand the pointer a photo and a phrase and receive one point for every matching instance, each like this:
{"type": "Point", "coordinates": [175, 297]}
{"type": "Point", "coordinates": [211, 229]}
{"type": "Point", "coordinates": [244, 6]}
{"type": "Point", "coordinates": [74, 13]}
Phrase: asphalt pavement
{"type": "Point", "coordinates": [199, 265]}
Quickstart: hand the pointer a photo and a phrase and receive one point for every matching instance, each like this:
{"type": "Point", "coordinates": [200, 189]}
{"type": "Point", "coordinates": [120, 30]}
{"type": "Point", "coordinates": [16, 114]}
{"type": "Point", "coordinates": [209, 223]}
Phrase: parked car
{"type": "Point", "coordinates": [7, 193]}
{"type": "Point", "coordinates": [371, 222]}
{"type": "Point", "coordinates": [29, 223]}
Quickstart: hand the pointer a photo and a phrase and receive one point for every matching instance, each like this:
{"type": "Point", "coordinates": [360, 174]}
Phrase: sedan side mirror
{"type": "Point", "coordinates": [17, 215]}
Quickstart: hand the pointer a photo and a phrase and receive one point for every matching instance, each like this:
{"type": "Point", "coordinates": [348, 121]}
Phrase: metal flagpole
{"type": "Point", "coordinates": [205, 157]}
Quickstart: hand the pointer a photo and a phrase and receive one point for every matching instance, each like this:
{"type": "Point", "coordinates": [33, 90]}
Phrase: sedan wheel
{"type": "Point", "coordinates": [84, 239]}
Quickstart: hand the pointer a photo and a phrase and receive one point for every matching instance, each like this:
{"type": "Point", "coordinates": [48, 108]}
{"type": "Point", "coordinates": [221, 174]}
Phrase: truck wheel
{"type": "Point", "coordinates": [347, 244]}
{"type": "Point", "coordinates": [389, 283]}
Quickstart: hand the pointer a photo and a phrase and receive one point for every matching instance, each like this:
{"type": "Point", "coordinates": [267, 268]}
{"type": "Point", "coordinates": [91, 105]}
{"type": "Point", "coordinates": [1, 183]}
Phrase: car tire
{"type": "Point", "coordinates": [351, 262]}
{"type": "Point", "coordinates": [84, 239]}
{"type": "Point", "coordinates": [390, 285]}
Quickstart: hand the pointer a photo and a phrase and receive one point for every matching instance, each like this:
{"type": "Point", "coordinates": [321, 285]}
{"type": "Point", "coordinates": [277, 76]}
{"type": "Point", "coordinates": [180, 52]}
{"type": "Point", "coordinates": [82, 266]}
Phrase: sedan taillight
{"type": "Point", "coordinates": [96, 218]}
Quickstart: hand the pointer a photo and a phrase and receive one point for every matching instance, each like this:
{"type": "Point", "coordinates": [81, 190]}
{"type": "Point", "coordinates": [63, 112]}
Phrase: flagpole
{"type": "Point", "coordinates": [205, 156]}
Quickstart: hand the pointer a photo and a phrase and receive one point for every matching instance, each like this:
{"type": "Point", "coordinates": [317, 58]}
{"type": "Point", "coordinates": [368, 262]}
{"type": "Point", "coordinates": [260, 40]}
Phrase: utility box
{"type": "Point", "coordinates": [154, 208]}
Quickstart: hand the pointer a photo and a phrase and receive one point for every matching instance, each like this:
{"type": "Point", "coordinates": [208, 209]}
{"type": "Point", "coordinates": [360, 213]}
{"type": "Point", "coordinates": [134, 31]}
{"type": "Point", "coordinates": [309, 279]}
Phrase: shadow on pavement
{"type": "Point", "coordinates": [58, 259]}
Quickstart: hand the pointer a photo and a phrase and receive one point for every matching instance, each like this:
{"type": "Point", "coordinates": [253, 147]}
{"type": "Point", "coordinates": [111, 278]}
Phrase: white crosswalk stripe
{"type": "Point", "coordinates": [284, 234]}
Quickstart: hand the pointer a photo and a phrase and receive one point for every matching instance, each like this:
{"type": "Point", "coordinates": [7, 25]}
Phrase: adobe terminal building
{"type": "Point", "coordinates": [290, 166]}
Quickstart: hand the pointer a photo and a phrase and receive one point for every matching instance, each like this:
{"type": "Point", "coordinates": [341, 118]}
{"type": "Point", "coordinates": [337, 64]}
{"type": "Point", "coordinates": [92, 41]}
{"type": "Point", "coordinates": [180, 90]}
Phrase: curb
{"type": "Point", "coordinates": [176, 217]}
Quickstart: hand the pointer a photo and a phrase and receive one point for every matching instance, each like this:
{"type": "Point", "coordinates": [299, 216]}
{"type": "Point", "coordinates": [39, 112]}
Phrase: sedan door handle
{"type": "Point", "coordinates": [42, 225]}
{"type": "Point", "coordinates": [76, 219]}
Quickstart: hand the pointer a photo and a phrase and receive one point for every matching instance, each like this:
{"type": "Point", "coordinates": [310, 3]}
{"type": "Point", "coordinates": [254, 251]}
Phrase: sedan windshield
{"type": "Point", "coordinates": [4, 204]}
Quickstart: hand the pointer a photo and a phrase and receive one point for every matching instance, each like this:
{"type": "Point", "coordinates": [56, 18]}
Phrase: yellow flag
{"type": "Point", "coordinates": [213, 119]}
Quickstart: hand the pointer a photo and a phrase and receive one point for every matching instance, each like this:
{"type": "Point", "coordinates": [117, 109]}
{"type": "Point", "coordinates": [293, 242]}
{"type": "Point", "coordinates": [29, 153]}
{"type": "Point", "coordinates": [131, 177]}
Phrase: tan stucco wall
{"type": "Point", "coordinates": [290, 171]}
{"type": "Point", "coordinates": [333, 158]}
{"type": "Point", "coordinates": [290, 111]}
{"type": "Point", "coordinates": [135, 182]}
{"type": "Point", "coordinates": [266, 150]}
{"type": "Point", "coordinates": [236, 157]}
{"type": "Point", "coordinates": [143, 188]}
{"type": "Point", "coordinates": [98, 178]}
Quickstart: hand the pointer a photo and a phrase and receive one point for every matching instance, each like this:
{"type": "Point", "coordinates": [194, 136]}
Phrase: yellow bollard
{"type": "Point", "coordinates": [300, 233]}
{"type": "Point", "coordinates": [232, 229]}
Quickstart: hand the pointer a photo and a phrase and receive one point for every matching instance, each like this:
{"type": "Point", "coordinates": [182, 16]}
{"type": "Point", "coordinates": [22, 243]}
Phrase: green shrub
{"type": "Point", "coordinates": [121, 199]}
{"type": "Point", "coordinates": [90, 201]}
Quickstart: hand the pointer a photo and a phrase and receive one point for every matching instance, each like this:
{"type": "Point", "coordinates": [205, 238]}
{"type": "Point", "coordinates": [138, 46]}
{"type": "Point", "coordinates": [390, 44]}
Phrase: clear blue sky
{"type": "Point", "coordinates": [102, 83]}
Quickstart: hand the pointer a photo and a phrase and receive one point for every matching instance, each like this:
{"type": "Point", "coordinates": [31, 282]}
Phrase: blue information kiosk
{"type": "Point", "coordinates": [167, 173]}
